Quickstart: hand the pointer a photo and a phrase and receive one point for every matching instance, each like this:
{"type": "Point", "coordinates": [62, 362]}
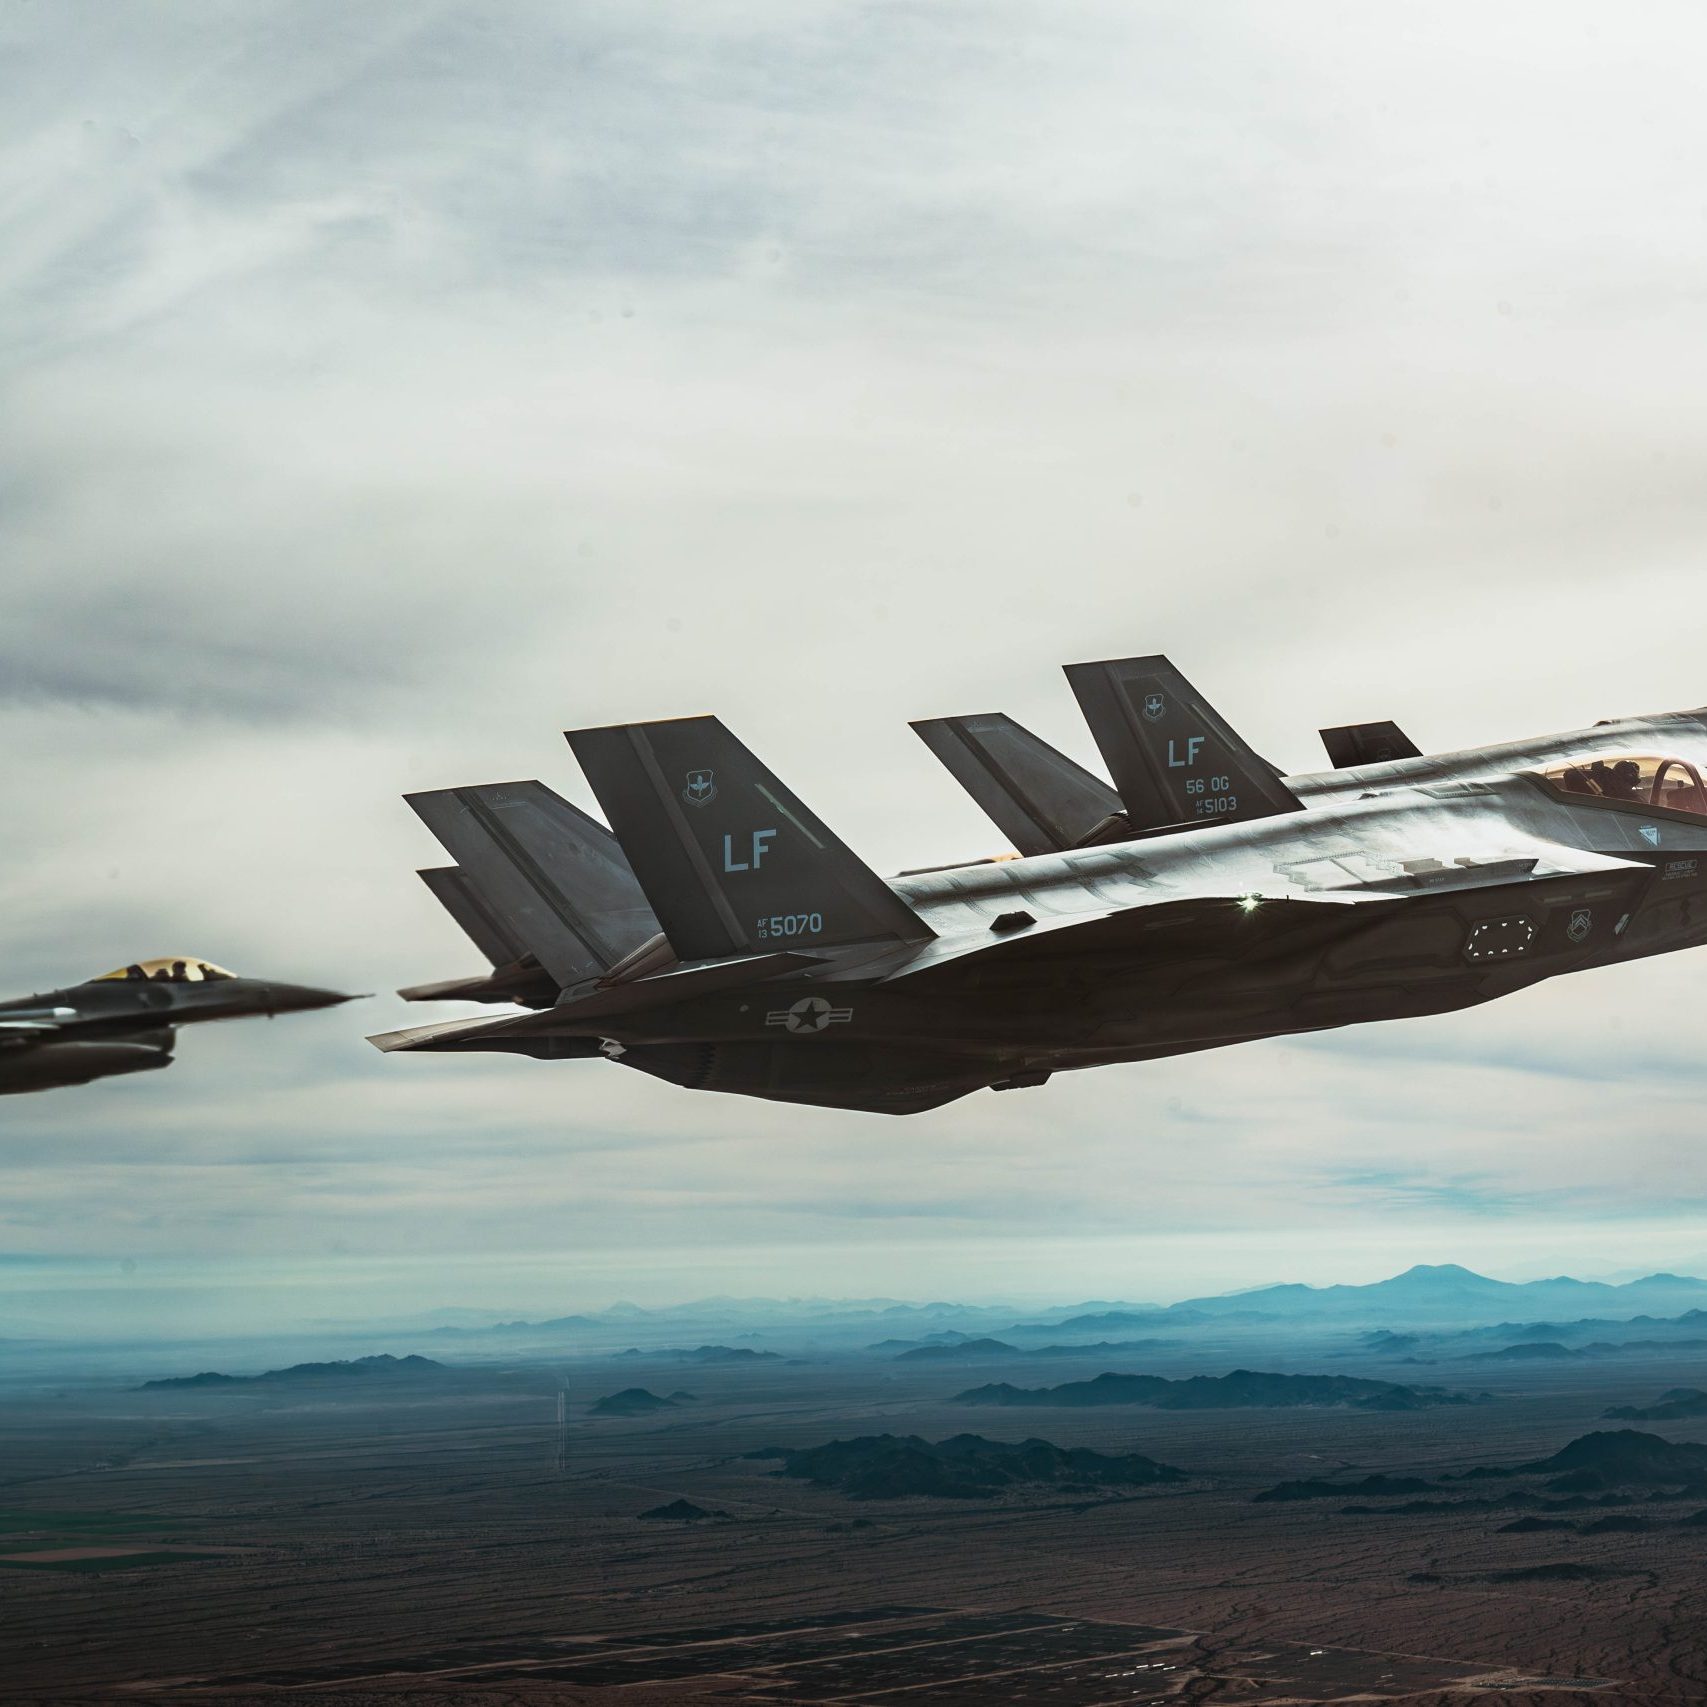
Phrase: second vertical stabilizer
{"type": "Point", "coordinates": [1174, 759]}
{"type": "Point", "coordinates": [555, 878]}
{"type": "Point", "coordinates": [1037, 797]}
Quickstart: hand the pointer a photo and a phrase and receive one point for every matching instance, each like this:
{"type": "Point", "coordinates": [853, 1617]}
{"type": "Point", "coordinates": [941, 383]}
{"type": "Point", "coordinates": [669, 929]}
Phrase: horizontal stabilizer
{"type": "Point", "coordinates": [527, 984]}
{"type": "Point", "coordinates": [659, 992]}
{"type": "Point", "coordinates": [442, 1034]}
{"type": "Point", "coordinates": [1038, 798]}
{"type": "Point", "coordinates": [1368, 744]}
{"type": "Point", "coordinates": [576, 1017]}
{"type": "Point", "coordinates": [732, 862]}
{"type": "Point", "coordinates": [555, 878]}
{"type": "Point", "coordinates": [1173, 758]}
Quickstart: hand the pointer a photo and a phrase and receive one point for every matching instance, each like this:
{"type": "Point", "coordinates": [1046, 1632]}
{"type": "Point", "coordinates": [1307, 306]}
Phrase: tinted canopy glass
{"type": "Point", "coordinates": [167, 969]}
{"type": "Point", "coordinates": [1634, 779]}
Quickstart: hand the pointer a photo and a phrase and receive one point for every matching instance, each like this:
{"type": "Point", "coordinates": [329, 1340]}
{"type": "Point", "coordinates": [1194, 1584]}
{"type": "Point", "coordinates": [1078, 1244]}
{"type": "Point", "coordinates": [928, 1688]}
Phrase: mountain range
{"type": "Point", "coordinates": [383, 1366]}
{"type": "Point", "coordinates": [1446, 1292]}
{"type": "Point", "coordinates": [1242, 1388]}
{"type": "Point", "coordinates": [1429, 1297]}
{"type": "Point", "coordinates": [888, 1466]}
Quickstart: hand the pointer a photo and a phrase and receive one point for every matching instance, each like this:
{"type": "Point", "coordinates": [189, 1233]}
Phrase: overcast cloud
{"type": "Point", "coordinates": [389, 388]}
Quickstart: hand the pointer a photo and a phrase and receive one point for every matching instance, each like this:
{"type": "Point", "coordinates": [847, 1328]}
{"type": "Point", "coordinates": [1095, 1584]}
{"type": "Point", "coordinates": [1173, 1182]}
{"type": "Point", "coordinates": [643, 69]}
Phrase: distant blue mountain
{"type": "Point", "coordinates": [382, 1366]}
{"type": "Point", "coordinates": [1446, 1292]}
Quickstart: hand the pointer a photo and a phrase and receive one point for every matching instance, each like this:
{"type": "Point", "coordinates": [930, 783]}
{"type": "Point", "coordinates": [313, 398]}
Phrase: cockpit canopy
{"type": "Point", "coordinates": [1634, 779]}
{"type": "Point", "coordinates": [168, 969]}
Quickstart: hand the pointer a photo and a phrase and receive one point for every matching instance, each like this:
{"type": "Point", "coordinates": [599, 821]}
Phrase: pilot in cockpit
{"type": "Point", "coordinates": [1617, 781]}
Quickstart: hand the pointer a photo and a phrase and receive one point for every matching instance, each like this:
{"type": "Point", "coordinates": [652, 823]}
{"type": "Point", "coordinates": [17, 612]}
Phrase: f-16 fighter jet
{"type": "Point", "coordinates": [720, 936]}
{"type": "Point", "coordinates": [126, 1021]}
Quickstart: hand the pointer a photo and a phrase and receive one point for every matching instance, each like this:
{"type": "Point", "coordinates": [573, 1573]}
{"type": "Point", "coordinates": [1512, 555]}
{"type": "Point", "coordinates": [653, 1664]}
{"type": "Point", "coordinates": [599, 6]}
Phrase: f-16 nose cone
{"type": "Point", "coordinates": [300, 998]}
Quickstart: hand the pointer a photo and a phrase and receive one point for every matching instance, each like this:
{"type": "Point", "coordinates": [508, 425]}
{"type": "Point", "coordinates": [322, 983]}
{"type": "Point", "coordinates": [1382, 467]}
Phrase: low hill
{"type": "Point", "coordinates": [630, 1402]}
{"type": "Point", "coordinates": [963, 1348]}
{"type": "Point", "coordinates": [1102, 1348]}
{"type": "Point", "coordinates": [1242, 1388]}
{"type": "Point", "coordinates": [707, 1354]}
{"type": "Point", "coordinates": [1670, 1406]}
{"type": "Point", "coordinates": [1100, 1321]}
{"type": "Point", "coordinates": [728, 1354]}
{"type": "Point", "coordinates": [682, 1511]}
{"type": "Point", "coordinates": [945, 1336]}
{"type": "Point", "coordinates": [966, 1466]}
{"type": "Point", "coordinates": [382, 1365]}
{"type": "Point", "coordinates": [552, 1325]}
{"type": "Point", "coordinates": [1528, 1351]}
{"type": "Point", "coordinates": [965, 1345]}
{"type": "Point", "coordinates": [1628, 1455]}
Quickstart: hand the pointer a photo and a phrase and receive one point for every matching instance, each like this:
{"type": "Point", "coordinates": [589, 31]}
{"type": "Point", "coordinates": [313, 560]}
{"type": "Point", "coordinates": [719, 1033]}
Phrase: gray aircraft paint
{"type": "Point", "coordinates": [109, 1026]}
{"type": "Point", "coordinates": [1417, 886]}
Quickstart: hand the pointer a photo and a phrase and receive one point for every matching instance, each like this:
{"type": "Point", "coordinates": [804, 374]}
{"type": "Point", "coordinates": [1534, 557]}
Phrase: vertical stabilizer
{"type": "Point", "coordinates": [480, 923]}
{"type": "Point", "coordinates": [731, 860]}
{"type": "Point", "coordinates": [1172, 757]}
{"type": "Point", "coordinates": [554, 877]}
{"type": "Point", "coordinates": [1038, 798]}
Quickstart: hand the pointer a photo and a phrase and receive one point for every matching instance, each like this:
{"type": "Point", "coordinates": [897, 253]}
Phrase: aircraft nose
{"type": "Point", "coordinates": [300, 998]}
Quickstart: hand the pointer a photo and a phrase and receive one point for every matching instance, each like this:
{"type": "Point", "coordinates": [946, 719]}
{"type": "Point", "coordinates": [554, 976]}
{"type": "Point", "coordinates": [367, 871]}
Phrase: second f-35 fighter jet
{"type": "Point", "coordinates": [720, 936]}
{"type": "Point", "coordinates": [126, 1021]}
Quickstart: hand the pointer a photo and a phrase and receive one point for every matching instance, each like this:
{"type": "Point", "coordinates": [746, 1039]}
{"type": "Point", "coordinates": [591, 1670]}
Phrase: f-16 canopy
{"type": "Point", "coordinates": [167, 969]}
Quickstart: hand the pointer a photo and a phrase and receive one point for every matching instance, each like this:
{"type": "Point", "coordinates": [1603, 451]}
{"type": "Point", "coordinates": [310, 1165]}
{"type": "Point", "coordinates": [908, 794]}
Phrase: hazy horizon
{"type": "Point", "coordinates": [83, 1298]}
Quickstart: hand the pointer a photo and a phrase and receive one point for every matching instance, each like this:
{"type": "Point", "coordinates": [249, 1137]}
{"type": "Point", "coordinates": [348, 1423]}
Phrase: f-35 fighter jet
{"type": "Point", "coordinates": [724, 938]}
{"type": "Point", "coordinates": [126, 1021]}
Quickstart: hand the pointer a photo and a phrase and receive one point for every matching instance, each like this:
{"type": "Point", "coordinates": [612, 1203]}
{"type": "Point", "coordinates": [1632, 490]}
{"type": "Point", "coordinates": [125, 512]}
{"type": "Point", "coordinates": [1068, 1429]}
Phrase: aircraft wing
{"type": "Point", "coordinates": [1215, 926]}
{"type": "Point", "coordinates": [1319, 898]}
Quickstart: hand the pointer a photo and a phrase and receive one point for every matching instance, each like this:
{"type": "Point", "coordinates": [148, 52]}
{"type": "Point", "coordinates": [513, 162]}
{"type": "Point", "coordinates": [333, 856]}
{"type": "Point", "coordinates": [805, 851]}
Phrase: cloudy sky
{"type": "Point", "coordinates": [387, 389]}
